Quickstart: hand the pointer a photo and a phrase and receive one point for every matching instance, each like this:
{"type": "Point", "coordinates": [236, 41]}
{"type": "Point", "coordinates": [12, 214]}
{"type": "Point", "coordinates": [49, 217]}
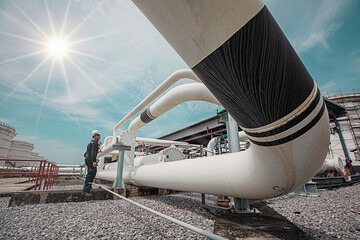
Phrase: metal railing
{"type": "Point", "coordinates": [341, 93]}
{"type": "Point", "coordinates": [42, 174]}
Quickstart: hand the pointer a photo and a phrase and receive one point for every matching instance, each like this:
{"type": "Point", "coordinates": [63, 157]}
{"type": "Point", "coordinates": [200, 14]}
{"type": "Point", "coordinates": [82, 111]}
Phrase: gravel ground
{"type": "Point", "coordinates": [111, 219]}
{"type": "Point", "coordinates": [333, 215]}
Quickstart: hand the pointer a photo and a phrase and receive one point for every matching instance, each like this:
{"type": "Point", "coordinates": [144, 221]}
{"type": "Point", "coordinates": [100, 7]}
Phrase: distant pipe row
{"type": "Point", "coordinates": [211, 145]}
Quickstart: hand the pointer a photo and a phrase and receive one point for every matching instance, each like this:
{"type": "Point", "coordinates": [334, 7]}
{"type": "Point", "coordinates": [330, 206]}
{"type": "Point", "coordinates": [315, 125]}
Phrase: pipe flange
{"type": "Point", "coordinates": [172, 154]}
{"type": "Point", "coordinates": [127, 137]}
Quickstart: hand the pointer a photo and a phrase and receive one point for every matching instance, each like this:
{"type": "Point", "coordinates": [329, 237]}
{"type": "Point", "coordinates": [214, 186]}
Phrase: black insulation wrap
{"type": "Point", "coordinates": [291, 123]}
{"type": "Point", "coordinates": [256, 74]}
{"type": "Point", "coordinates": [146, 116]}
{"type": "Point", "coordinates": [296, 134]}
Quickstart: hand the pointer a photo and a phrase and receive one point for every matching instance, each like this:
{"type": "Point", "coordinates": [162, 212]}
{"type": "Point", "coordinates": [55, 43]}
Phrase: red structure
{"type": "Point", "coordinates": [43, 175]}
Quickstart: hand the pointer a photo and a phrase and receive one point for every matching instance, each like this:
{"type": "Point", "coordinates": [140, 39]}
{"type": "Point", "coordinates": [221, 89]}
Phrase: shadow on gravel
{"type": "Point", "coordinates": [268, 224]}
{"type": "Point", "coordinates": [264, 225]}
{"type": "Point", "coordinates": [319, 234]}
{"type": "Point", "coordinates": [183, 201]}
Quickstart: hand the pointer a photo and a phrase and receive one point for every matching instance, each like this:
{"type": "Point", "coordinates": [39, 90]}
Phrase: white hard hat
{"type": "Point", "coordinates": [95, 132]}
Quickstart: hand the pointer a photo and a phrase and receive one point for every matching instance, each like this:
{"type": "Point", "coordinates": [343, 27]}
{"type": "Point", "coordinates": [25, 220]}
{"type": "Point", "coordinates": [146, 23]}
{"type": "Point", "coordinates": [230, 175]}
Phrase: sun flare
{"type": "Point", "coordinates": [57, 47]}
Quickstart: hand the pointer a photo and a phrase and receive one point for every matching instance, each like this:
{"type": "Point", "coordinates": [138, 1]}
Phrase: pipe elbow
{"type": "Point", "coordinates": [184, 73]}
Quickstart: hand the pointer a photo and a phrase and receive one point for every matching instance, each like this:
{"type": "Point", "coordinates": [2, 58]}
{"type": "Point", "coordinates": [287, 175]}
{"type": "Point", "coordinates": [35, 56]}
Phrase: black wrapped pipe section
{"type": "Point", "coordinates": [257, 75]}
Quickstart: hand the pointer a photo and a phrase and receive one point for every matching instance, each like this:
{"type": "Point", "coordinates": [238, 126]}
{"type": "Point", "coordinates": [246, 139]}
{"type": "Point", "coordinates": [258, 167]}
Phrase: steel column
{"type": "Point", "coordinates": [119, 183]}
{"type": "Point", "coordinates": [201, 155]}
{"type": "Point", "coordinates": [344, 147]}
{"type": "Point", "coordinates": [232, 134]}
{"type": "Point", "coordinates": [234, 146]}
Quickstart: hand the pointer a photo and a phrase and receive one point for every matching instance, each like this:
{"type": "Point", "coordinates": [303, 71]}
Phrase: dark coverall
{"type": "Point", "coordinates": [90, 157]}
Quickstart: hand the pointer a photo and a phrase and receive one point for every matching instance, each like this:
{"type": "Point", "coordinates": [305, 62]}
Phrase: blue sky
{"type": "Point", "coordinates": [117, 58]}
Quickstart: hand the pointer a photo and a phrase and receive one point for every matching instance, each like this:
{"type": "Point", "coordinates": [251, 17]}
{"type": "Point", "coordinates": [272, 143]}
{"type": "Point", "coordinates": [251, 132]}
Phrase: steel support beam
{"type": "Point", "coordinates": [234, 146]}
{"type": "Point", "coordinates": [119, 182]}
{"type": "Point", "coordinates": [344, 147]}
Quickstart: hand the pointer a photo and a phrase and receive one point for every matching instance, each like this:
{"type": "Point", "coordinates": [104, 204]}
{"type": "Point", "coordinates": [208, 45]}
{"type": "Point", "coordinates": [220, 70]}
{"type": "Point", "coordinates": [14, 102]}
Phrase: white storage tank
{"type": "Point", "coordinates": [20, 150]}
{"type": "Point", "coordinates": [7, 133]}
{"type": "Point", "coordinates": [34, 155]}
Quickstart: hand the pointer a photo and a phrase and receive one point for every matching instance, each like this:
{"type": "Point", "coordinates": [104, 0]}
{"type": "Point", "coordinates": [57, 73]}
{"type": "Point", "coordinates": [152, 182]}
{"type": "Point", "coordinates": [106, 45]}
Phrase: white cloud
{"type": "Point", "coordinates": [308, 23]}
{"type": "Point", "coordinates": [312, 39]}
{"type": "Point", "coordinates": [316, 31]}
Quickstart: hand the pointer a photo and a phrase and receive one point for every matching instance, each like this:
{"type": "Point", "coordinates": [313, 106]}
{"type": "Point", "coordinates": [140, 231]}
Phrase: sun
{"type": "Point", "coordinates": [57, 47]}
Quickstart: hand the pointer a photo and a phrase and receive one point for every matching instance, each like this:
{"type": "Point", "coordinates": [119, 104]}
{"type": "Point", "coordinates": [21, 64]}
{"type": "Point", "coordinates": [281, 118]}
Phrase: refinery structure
{"type": "Point", "coordinates": [350, 124]}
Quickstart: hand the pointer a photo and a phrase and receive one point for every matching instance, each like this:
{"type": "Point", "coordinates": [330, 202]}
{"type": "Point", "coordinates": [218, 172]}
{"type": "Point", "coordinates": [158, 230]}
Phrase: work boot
{"type": "Point", "coordinates": [87, 194]}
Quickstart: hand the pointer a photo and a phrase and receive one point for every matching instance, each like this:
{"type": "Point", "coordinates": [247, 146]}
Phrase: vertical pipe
{"type": "Point", "coordinates": [219, 146]}
{"type": "Point", "coordinates": [201, 155]}
{"type": "Point", "coordinates": [119, 180]}
{"type": "Point", "coordinates": [232, 133]}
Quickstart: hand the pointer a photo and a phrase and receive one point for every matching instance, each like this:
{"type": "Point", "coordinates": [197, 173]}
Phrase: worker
{"type": "Point", "coordinates": [90, 161]}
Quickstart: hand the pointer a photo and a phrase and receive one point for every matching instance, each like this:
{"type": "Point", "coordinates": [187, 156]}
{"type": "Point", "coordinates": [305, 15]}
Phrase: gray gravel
{"type": "Point", "coordinates": [111, 219]}
{"type": "Point", "coordinates": [333, 215]}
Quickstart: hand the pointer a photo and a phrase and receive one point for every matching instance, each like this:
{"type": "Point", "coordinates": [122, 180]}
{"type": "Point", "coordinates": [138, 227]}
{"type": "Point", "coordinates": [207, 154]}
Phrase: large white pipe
{"type": "Point", "coordinates": [240, 53]}
{"type": "Point", "coordinates": [330, 164]}
{"type": "Point", "coordinates": [177, 95]}
{"type": "Point", "coordinates": [171, 80]}
{"type": "Point", "coordinates": [160, 142]}
{"type": "Point", "coordinates": [68, 165]}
